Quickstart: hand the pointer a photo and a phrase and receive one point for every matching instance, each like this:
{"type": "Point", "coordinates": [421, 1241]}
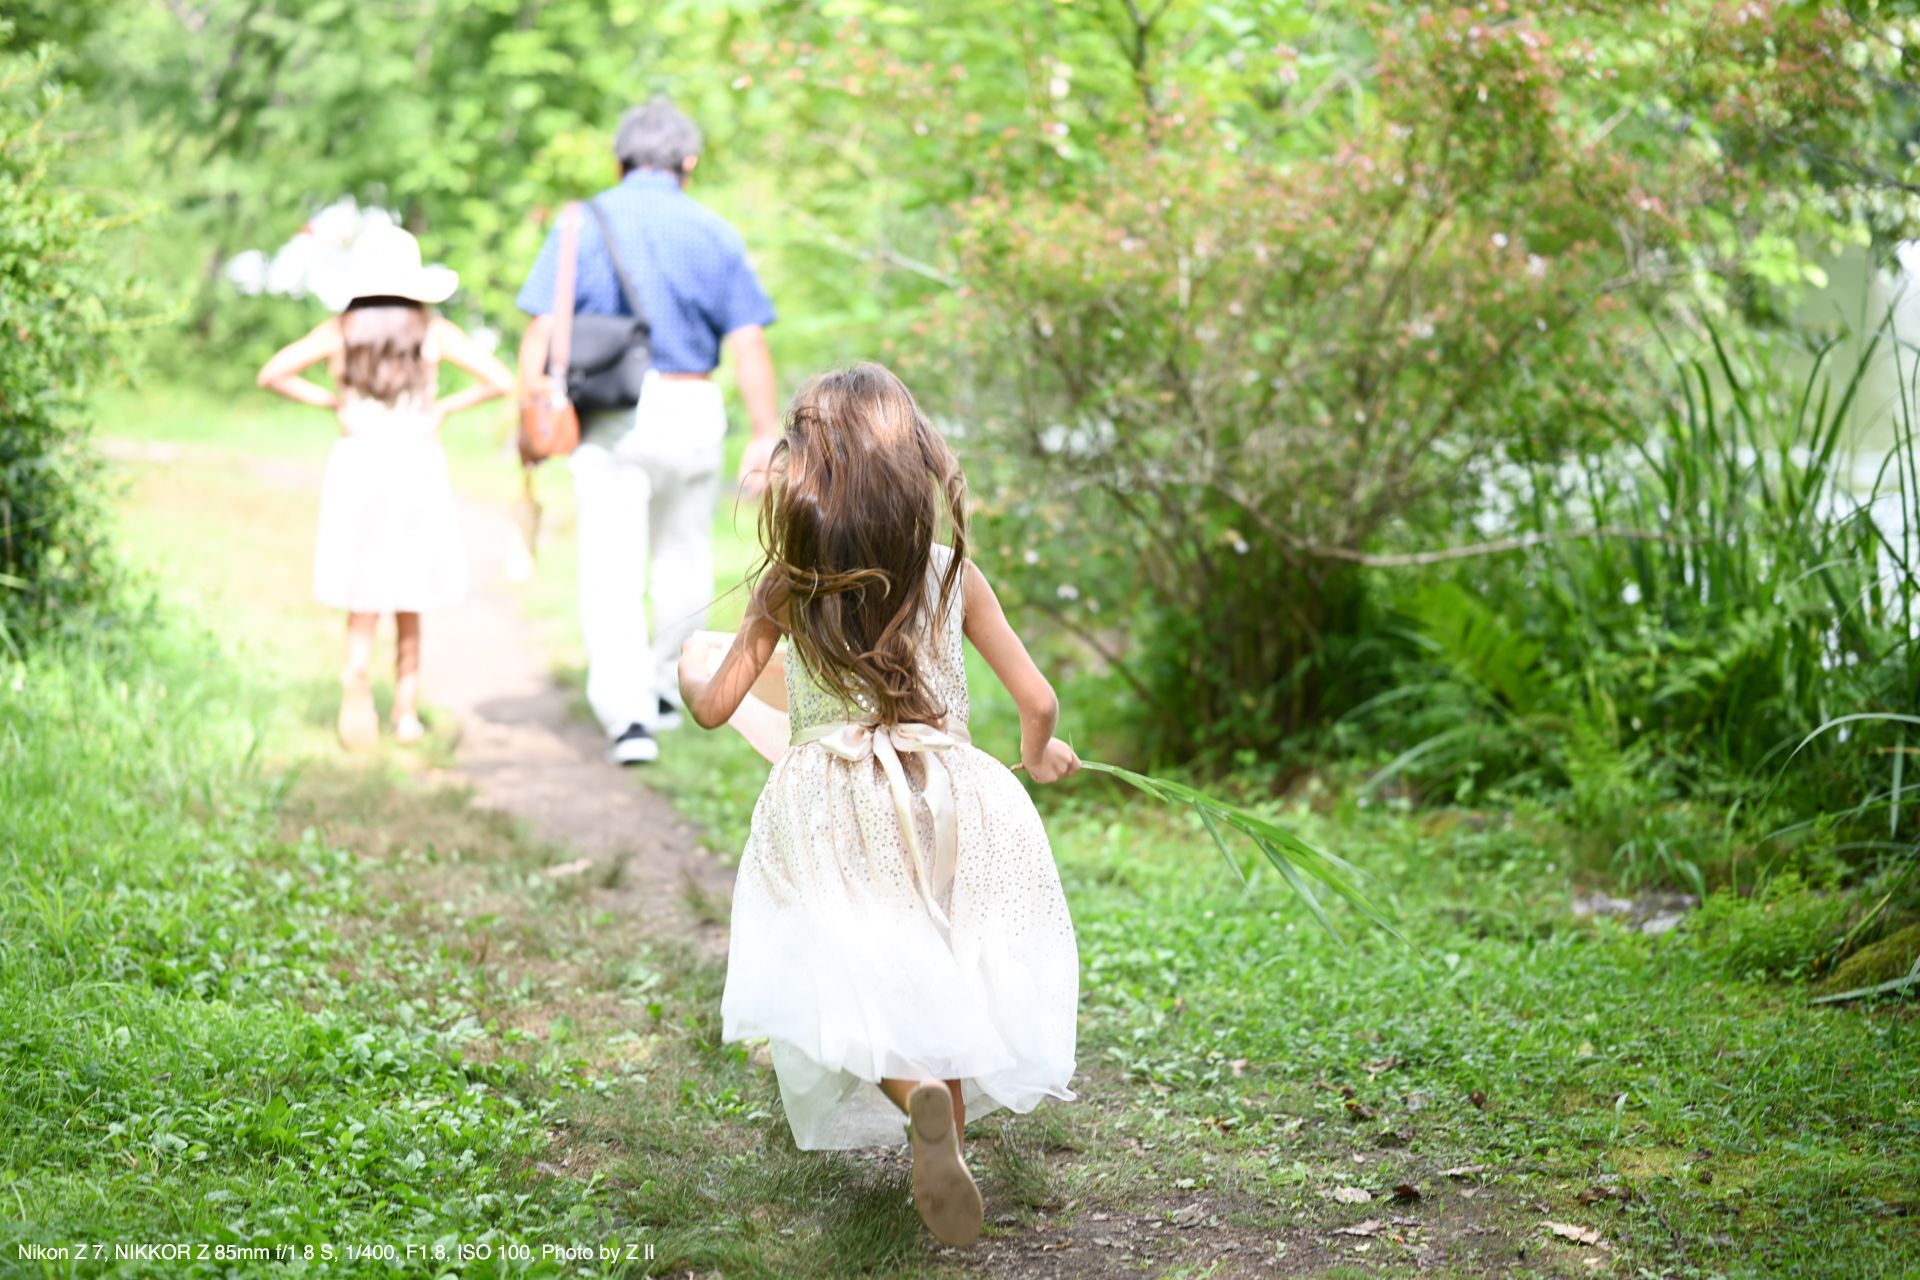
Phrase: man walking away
{"type": "Point", "coordinates": [645, 479]}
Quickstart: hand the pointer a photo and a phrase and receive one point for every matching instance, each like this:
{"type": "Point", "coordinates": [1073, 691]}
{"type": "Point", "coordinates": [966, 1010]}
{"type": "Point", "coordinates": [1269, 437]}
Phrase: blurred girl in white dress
{"type": "Point", "coordinates": [899, 933]}
{"type": "Point", "coordinates": [389, 539]}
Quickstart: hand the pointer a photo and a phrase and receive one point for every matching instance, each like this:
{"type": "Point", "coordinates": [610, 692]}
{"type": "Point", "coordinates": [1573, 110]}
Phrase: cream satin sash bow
{"type": "Point", "coordinates": [857, 742]}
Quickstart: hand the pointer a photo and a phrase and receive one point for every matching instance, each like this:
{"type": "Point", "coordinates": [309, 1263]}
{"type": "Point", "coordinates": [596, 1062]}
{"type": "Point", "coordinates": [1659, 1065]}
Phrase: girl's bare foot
{"type": "Point", "coordinates": [408, 729]}
{"type": "Point", "coordinates": [359, 722]}
{"type": "Point", "coordinates": [943, 1190]}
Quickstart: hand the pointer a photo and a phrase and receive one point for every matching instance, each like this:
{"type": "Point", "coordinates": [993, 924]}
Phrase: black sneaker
{"type": "Point", "coordinates": [669, 718]}
{"type": "Point", "coordinates": [634, 746]}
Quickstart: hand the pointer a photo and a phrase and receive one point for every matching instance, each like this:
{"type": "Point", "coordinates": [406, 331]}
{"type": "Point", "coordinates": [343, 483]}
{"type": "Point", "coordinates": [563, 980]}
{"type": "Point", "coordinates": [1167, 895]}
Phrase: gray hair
{"type": "Point", "coordinates": [656, 136]}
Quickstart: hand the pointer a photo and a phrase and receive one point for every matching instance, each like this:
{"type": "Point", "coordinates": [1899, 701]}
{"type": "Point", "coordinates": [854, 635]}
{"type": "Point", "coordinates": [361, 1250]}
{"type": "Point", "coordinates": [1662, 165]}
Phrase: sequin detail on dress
{"type": "Point", "coordinates": [837, 960]}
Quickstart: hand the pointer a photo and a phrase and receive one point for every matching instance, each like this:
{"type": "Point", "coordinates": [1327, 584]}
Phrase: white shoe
{"type": "Point", "coordinates": [634, 746]}
{"type": "Point", "coordinates": [943, 1190]}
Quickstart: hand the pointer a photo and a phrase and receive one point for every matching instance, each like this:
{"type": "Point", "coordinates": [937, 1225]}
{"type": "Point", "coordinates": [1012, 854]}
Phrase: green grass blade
{"type": "Point", "coordinates": [1301, 887]}
{"type": "Point", "coordinates": [1289, 854]}
{"type": "Point", "coordinates": [1214, 831]}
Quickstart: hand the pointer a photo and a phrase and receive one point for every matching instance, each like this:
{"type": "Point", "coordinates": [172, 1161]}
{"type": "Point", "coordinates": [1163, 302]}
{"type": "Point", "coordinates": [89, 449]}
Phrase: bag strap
{"type": "Point", "coordinates": [560, 345]}
{"type": "Point", "coordinates": [627, 290]}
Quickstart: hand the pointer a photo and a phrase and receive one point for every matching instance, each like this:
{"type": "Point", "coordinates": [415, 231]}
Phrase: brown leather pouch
{"type": "Point", "coordinates": [549, 427]}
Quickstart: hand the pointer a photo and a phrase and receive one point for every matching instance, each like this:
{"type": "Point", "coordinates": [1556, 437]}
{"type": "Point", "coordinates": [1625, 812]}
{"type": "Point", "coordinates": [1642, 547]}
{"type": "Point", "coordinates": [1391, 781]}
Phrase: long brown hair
{"type": "Point", "coordinates": [860, 483]}
{"type": "Point", "coordinates": [384, 338]}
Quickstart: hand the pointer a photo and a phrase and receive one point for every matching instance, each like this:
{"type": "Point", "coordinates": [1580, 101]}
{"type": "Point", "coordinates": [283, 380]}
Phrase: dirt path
{"type": "Point", "coordinates": [520, 746]}
{"type": "Point", "coordinates": [525, 753]}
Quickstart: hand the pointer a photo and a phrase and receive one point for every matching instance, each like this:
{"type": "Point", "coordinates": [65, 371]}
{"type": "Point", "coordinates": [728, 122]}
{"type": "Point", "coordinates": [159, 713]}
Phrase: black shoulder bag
{"type": "Point", "coordinates": [608, 362]}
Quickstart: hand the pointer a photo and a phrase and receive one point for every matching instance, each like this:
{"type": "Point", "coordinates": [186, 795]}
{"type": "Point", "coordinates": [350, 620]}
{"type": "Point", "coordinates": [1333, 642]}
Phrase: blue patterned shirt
{"type": "Point", "coordinates": [689, 266]}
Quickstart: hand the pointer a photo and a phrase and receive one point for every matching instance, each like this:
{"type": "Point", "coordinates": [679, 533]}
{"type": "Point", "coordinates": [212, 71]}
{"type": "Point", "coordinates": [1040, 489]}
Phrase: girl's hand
{"type": "Point", "coordinates": [699, 657]}
{"type": "Point", "coordinates": [1057, 760]}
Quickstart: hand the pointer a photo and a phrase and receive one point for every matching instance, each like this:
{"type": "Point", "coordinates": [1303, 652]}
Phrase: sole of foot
{"type": "Point", "coordinates": [943, 1190]}
{"type": "Point", "coordinates": [359, 723]}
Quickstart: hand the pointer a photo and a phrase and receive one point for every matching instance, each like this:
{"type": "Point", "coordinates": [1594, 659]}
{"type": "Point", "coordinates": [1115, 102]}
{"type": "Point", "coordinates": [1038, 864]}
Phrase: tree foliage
{"type": "Point", "coordinates": [1242, 345]}
{"type": "Point", "coordinates": [1231, 300]}
{"type": "Point", "coordinates": [58, 313]}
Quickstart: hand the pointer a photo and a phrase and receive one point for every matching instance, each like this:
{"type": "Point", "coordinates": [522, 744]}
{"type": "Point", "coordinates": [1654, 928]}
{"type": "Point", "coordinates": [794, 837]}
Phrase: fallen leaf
{"type": "Point", "coordinates": [1189, 1216]}
{"type": "Point", "coordinates": [1381, 1066]}
{"type": "Point", "coordinates": [1371, 1227]}
{"type": "Point", "coordinates": [1239, 1065]}
{"type": "Point", "coordinates": [1100, 1217]}
{"type": "Point", "coordinates": [1388, 1138]}
{"type": "Point", "coordinates": [1464, 1170]}
{"type": "Point", "coordinates": [1360, 1111]}
{"type": "Point", "coordinates": [1351, 1195]}
{"type": "Point", "coordinates": [1406, 1191]}
{"type": "Point", "coordinates": [1478, 1098]}
{"type": "Point", "coordinates": [1594, 1195]}
{"type": "Point", "coordinates": [1568, 1231]}
{"type": "Point", "coordinates": [573, 868]}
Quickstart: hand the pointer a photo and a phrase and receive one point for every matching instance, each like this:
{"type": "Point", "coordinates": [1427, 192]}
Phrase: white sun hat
{"type": "Point", "coordinates": [385, 263]}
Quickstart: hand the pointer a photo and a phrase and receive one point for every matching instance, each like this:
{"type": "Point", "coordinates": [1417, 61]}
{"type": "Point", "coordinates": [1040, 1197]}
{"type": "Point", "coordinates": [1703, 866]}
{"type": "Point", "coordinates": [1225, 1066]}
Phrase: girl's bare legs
{"type": "Point", "coordinates": [900, 1091]}
{"type": "Point", "coordinates": [406, 682]}
{"type": "Point", "coordinates": [943, 1191]}
{"type": "Point", "coordinates": [359, 723]}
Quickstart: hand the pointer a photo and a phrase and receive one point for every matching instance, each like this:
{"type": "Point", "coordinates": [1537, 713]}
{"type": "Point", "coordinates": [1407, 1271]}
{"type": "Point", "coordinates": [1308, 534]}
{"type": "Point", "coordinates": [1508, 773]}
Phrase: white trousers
{"type": "Point", "coordinates": [644, 486]}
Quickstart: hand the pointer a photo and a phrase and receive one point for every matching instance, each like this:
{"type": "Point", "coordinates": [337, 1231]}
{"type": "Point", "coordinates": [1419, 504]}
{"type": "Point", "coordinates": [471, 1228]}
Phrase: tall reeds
{"type": "Point", "coordinates": [1711, 654]}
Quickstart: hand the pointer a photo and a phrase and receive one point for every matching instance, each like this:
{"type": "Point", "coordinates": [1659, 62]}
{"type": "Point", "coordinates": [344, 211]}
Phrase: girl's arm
{"type": "Point", "coordinates": [1045, 757]}
{"type": "Point", "coordinates": [282, 373]}
{"type": "Point", "coordinates": [495, 379]}
{"type": "Point", "coordinates": [712, 700]}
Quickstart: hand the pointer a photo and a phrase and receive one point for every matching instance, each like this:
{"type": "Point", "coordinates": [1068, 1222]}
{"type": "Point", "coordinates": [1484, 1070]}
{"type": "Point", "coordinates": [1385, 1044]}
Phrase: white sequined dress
{"type": "Point", "coordinates": [855, 966]}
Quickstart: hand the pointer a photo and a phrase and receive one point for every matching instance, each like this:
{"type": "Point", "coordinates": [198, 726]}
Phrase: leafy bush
{"type": "Point", "coordinates": [57, 315]}
{"type": "Point", "coordinates": [1777, 933]}
{"type": "Point", "coordinates": [1760, 599]}
{"type": "Point", "coordinates": [1229, 381]}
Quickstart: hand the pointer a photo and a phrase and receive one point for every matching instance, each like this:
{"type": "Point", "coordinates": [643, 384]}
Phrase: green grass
{"type": "Point", "coordinates": [1756, 1135]}
{"type": "Point", "coordinates": [201, 1039]}
{"type": "Point", "coordinates": [253, 997]}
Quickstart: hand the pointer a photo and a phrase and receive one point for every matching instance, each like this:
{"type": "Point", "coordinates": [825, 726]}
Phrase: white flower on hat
{"type": "Point", "coordinates": [326, 259]}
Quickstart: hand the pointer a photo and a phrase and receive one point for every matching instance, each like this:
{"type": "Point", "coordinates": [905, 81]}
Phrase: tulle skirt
{"type": "Point", "coordinates": [389, 539]}
{"type": "Point", "coordinates": [837, 960]}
